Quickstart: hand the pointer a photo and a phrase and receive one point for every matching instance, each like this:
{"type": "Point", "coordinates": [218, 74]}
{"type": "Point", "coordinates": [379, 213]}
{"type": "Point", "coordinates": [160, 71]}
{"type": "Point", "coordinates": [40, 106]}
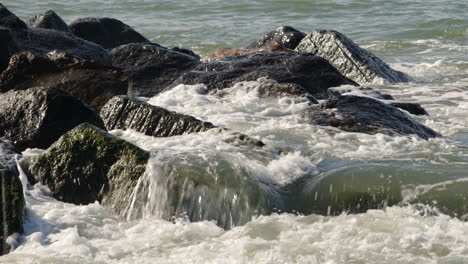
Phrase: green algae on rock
{"type": "Point", "coordinates": [87, 164]}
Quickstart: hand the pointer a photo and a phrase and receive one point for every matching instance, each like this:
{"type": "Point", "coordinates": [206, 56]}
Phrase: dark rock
{"type": "Point", "coordinates": [150, 67]}
{"type": "Point", "coordinates": [7, 47]}
{"type": "Point", "coordinates": [10, 20]}
{"type": "Point", "coordinates": [186, 51]}
{"type": "Point", "coordinates": [271, 88]}
{"type": "Point", "coordinates": [313, 73]}
{"type": "Point", "coordinates": [221, 54]}
{"type": "Point", "coordinates": [351, 60]}
{"type": "Point", "coordinates": [107, 32]}
{"type": "Point", "coordinates": [90, 81]}
{"type": "Point", "coordinates": [12, 202]}
{"type": "Point", "coordinates": [366, 115]}
{"type": "Point", "coordinates": [48, 20]}
{"type": "Point", "coordinates": [36, 117]}
{"type": "Point", "coordinates": [122, 112]}
{"type": "Point", "coordinates": [412, 108]}
{"type": "Point", "coordinates": [41, 42]}
{"type": "Point", "coordinates": [87, 164]}
{"type": "Point", "coordinates": [287, 37]}
{"type": "Point", "coordinates": [359, 90]}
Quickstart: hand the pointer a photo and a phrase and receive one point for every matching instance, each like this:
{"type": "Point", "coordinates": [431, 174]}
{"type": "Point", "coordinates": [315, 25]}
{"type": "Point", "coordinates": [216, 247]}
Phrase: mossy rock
{"type": "Point", "coordinates": [88, 164]}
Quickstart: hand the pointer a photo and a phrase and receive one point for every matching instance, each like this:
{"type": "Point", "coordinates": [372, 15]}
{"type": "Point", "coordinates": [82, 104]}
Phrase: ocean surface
{"type": "Point", "coordinates": [425, 39]}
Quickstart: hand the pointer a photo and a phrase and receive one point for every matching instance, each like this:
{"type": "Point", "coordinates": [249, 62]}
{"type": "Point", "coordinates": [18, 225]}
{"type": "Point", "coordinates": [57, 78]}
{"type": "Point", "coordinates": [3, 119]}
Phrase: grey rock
{"type": "Point", "coordinates": [150, 67]}
{"type": "Point", "coordinates": [37, 117]}
{"type": "Point", "coordinates": [48, 20]}
{"type": "Point", "coordinates": [10, 20]}
{"type": "Point", "coordinates": [412, 108]}
{"type": "Point", "coordinates": [40, 41]}
{"type": "Point", "coordinates": [12, 202]}
{"type": "Point", "coordinates": [313, 73]}
{"type": "Point", "coordinates": [351, 60]}
{"type": "Point", "coordinates": [107, 32]}
{"type": "Point", "coordinates": [366, 115]}
{"type": "Point", "coordinates": [90, 81]}
{"type": "Point", "coordinates": [8, 47]}
{"type": "Point", "coordinates": [122, 112]}
{"type": "Point", "coordinates": [285, 36]}
{"type": "Point", "coordinates": [87, 164]}
{"type": "Point", "coordinates": [358, 90]}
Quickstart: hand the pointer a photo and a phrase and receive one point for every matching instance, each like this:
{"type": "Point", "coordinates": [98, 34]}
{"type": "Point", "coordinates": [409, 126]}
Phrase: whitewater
{"type": "Point", "coordinates": [427, 40]}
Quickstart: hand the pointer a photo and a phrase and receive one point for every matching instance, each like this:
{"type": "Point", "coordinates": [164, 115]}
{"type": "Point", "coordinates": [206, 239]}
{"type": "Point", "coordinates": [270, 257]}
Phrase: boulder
{"type": "Point", "coordinates": [12, 204]}
{"type": "Point", "coordinates": [366, 115]}
{"type": "Point", "coordinates": [150, 67]}
{"type": "Point", "coordinates": [87, 164]}
{"type": "Point", "coordinates": [37, 117]}
{"type": "Point", "coordinates": [122, 112]}
{"type": "Point", "coordinates": [271, 88]}
{"type": "Point", "coordinates": [313, 73]}
{"type": "Point", "coordinates": [227, 52]}
{"type": "Point", "coordinates": [412, 108]}
{"type": "Point", "coordinates": [351, 60]}
{"type": "Point", "coordinates": [48, 20]}
{"type": "Point", "coordinates": [10, 20]}
{"type": "Point", "coordinates": [359, 91]}
{"type": "Point", "coordinates": [8, 47]}
{"type": "Point", "coordinates": [90, 81]}
{"type": "Point", "coordinates": [186, 51]}
{"type": "Point", "coordinates": [42, 42]}
{"type": "Point", "coordinates": [285, 36]}
{"type": "Point", "coordinates": [107, 32]}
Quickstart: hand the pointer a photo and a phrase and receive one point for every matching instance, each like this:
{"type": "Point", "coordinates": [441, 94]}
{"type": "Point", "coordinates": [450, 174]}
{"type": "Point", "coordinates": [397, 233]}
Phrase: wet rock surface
{"type": "Point", "coordinates": [90, 81]}
{"type": "Point", "coordinates": [8, 47]}
{"type": "Point", "coordinates": [37, 117]}
{"type": "Point", "coordinates": [227, 52]}
{"type": "Point", "coordinates": [412, 108]}
{"type": "Point", "coordinates": [11, 196]}
{"type": "Point", "coordinates": [122, 112]}
{"type": "Point", "coordinates": [366, 115]}
{"type": "Point", "coordinates": [40, 41]}
{"type": "Point", "coordinates": [313, 73]}
{"type": "Point", "coordinates": [48, 20]}
{"type": "Point", "coordinates": [107, 32]}
{"type": "Point", "coordinates": [351, 60]}
{"type": "Point", "coordinates": [10, 20]}
{"type": "Point", "coordinates": [151, 67]}
{"type": "Point", "coordinates": [87, 164]}
{"type": "Point", "coordinates": [287, 37]}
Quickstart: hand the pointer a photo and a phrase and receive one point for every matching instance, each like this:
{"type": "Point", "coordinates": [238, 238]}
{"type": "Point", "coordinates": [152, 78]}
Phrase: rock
{"type": "Point", "coordinates": [271, 88]}
{"type": "Point", "coordinates": [285, 36]}
{"type": "Point", "coordinates": [90, 81]}
{"type": "Point", "coordinates": [37, 117]}
{"type": "Point", "coordinates": [226, 52]}
{"type": "Point", "coordinates": [186, 51]}
{"type": "Point", "coordinates": [351, 60]}
{"type": "Point", "coordinates": [150, 67]}
{"type": "Point", "coordinates": [48, 20]}
{"type": "Point", "coordinates": [359, 91]}
{"type": "Point", "coordinates": [10, 20]}
{"type": "Point", "coordinates": [87, 164]}
{"type": "Point", "coordinates": [41, 42]}
{"type": "Point", "coordinates": [12, 202]}
{"type": "Point", "coordinates": [412, 108]}
{"type": "Point", "coordinates": [107, 32]}
{"type": "Point", "coordinates": [313, 73]}
{"type": "Point", "coordinates": [7, 47]}
{"type": "Point", "coordinates": [122, 112]}
{"type": "Point", "coordinates": [366, 115]}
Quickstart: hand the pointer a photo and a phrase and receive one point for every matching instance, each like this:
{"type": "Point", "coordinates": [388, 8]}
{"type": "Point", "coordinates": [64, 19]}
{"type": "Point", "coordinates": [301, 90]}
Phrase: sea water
{"type": "Point", "coordinates": [425, 39]}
